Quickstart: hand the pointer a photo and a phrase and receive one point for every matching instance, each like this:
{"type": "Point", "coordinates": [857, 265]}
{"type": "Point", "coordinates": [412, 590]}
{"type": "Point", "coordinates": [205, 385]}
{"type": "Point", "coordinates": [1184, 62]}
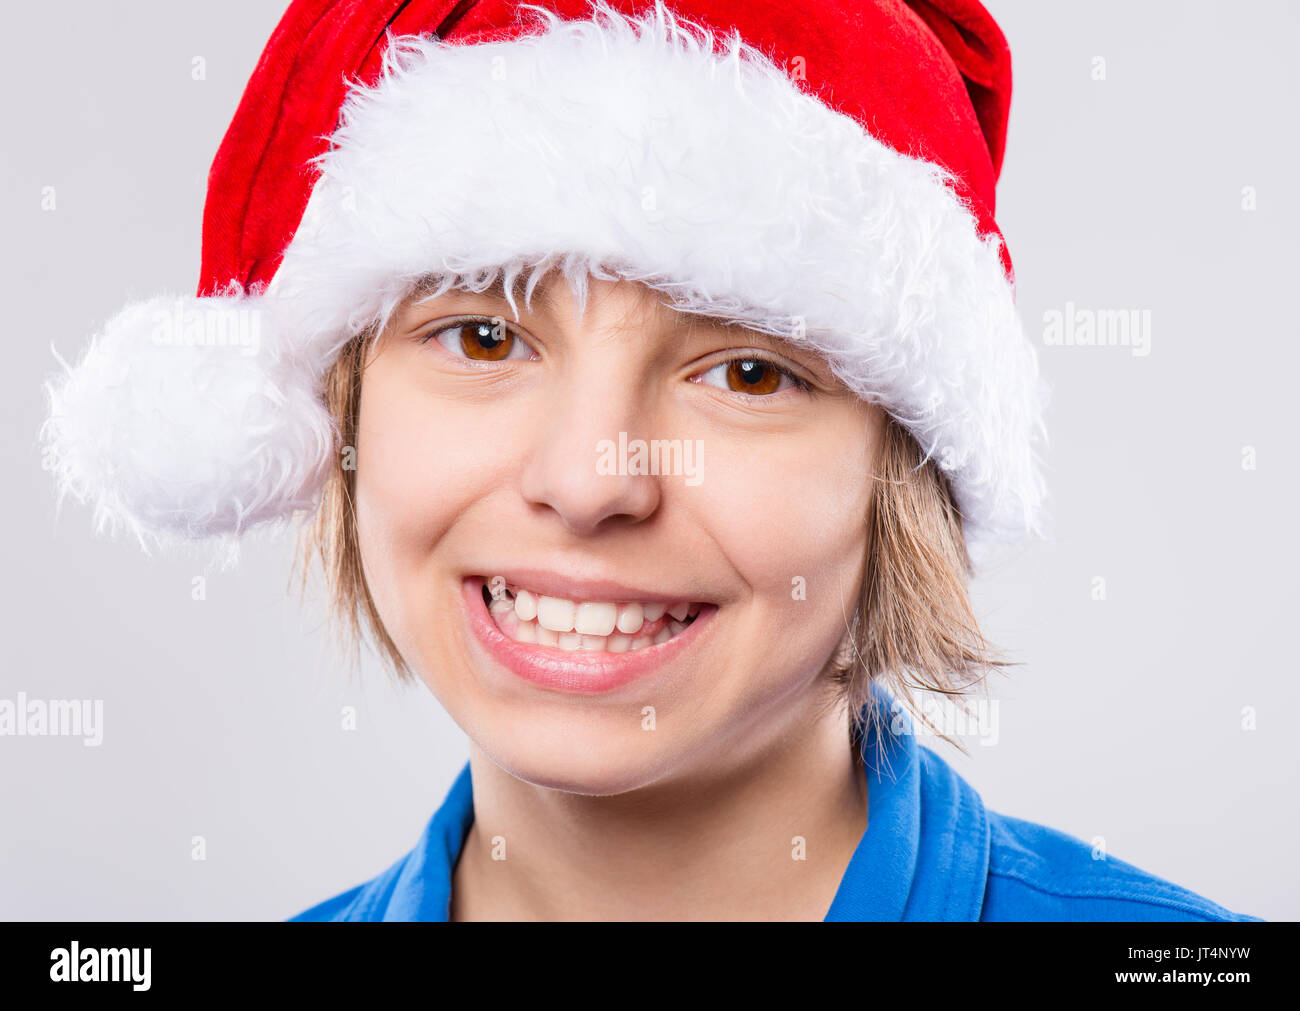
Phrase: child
{"type": "Point", "coordinates": [654, 380]}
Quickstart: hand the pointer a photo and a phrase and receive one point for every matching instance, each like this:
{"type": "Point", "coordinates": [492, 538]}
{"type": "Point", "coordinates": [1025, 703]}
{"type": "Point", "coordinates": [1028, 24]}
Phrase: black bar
{"type": "Point", "coordinates": [337, 960]}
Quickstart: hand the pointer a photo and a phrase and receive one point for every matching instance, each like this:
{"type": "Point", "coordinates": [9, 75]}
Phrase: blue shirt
{"type": "Point", "coordinates": [931, 851]}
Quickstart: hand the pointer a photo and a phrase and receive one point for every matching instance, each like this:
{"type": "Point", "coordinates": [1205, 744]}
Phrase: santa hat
{"type": "Point", "coordinates": [821, 171]}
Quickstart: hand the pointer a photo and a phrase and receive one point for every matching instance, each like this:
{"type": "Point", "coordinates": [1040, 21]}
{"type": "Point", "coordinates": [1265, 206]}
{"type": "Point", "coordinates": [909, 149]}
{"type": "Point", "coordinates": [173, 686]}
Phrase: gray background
{"type": "Point", "coordinates": [222, 716]}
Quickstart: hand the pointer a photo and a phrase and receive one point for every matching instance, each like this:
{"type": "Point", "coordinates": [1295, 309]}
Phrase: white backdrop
{"type": "Point", "coordinates": [1129, 723]}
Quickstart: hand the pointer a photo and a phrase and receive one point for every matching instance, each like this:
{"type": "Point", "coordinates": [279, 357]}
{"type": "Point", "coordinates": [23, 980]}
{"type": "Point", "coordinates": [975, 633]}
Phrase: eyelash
{"type": "Point", "coordinates": [799, 382]}
{"type": "Point", "coordinates": [464, 321]}
{"type": "Point", "coordinates": [750, 356]}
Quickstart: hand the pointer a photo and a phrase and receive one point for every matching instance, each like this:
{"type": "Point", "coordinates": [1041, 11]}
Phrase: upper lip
{"type": "Point", "coordinates": [553, 584]}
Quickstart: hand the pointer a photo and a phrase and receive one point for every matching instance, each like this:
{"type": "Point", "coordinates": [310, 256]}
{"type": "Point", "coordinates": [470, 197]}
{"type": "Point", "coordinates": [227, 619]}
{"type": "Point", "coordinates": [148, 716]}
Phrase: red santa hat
{"type": "Point", "coordinates": [821, 171]}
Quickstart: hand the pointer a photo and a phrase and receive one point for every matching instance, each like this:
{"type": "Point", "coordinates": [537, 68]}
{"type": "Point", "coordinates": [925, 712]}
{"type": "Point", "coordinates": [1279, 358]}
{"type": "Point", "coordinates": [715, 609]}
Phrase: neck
{"type": "Point", "coordinates": [765, 834]}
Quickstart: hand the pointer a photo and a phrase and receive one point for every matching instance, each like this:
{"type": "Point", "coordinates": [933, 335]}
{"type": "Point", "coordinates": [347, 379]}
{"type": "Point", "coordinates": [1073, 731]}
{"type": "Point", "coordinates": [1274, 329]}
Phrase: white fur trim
{"type": "Point", "coordinates": [184, 419]}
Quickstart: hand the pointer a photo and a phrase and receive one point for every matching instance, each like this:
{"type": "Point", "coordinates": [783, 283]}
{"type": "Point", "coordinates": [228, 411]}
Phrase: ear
{"type": "Point", "coordinates": [186, 418]}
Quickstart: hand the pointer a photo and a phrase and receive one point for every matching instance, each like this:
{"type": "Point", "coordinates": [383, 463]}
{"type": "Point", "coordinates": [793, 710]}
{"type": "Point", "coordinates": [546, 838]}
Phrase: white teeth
{"type": "Point", "coordinates": [590, 626]}
{"type": "Point", "coordinates": [556, 613]}
{"type": "Point", "coordinates": [596, 619]}
{"type": "Point", "coordinates": [618, 643]}
{"type": "Point", "coordinates": [630, 619]}
{"type": "Point", "coordinates": [525, 606]}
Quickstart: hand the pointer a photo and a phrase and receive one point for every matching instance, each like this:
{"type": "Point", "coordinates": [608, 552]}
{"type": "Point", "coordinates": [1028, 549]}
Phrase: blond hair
{"type": "Point", "coordinates": [913, 627]}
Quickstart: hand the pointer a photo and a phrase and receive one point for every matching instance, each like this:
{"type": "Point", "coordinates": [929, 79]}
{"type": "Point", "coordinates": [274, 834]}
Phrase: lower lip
{"type": "Point", "coordinates": [575, 671]}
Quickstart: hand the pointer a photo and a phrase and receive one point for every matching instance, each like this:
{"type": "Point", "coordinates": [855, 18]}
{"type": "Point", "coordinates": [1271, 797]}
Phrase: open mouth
{"type": "Point", "coordinates": [591, 626]}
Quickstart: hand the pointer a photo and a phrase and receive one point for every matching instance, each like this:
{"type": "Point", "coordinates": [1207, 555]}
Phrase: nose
{"type": "Point", "coordinates": [564, 471]}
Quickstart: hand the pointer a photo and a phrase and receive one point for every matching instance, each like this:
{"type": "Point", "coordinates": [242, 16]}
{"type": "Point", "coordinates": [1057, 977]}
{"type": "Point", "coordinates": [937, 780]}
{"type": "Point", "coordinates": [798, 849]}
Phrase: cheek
{"type": "Point", "coordinates": [792, 520]}
{"type": "Point", "coordinates": [421, 462]}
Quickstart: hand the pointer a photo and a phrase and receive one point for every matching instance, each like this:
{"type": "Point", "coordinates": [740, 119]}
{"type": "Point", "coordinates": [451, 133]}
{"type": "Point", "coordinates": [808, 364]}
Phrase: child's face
{"type": "Point", "coordinates": [516, 453]}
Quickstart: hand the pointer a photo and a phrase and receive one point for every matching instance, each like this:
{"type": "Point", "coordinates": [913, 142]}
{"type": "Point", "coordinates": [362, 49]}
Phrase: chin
{"type": "Point", "coordinates": [582, 753]}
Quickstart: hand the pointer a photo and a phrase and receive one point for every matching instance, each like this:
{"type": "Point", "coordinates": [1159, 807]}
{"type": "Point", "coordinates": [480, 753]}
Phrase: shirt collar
{"type": "Point", "coordinates": [924, 855]}
{"type": "Point", "coordinates": [423, 888]}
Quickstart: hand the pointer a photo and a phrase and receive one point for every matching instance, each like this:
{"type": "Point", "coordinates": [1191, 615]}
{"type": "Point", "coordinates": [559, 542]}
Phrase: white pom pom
{"type": "Point", "coordinates": [184, 419]}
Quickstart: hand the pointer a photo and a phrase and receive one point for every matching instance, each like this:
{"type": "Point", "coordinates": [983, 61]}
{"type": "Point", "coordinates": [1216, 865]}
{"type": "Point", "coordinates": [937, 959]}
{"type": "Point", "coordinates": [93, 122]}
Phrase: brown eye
{"type": "Point", "coordinates": [755, 376]}
{"type": "Point", "coordinates": [481, 340]}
